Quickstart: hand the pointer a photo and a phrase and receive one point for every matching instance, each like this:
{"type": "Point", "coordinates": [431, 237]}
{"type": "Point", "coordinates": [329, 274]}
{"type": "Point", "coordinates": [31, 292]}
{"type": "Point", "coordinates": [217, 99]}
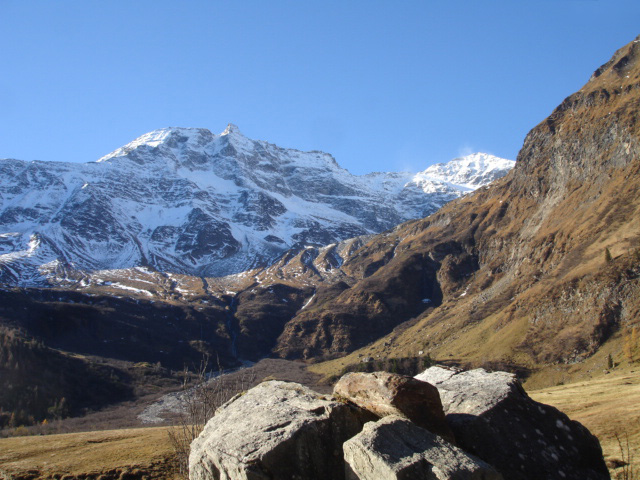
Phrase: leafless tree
{"type": "Point", "coordinates": [203, 392]}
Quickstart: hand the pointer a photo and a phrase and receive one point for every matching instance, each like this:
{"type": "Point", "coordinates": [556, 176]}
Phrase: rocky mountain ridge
{"type": "Point", "coordinates": [540, 269]}
{"type": "Point", "coordinates": [184, 200]}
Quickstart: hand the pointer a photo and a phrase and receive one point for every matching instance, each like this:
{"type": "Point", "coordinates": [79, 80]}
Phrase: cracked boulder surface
{"type": "Point", "coordinates": [276, 430]}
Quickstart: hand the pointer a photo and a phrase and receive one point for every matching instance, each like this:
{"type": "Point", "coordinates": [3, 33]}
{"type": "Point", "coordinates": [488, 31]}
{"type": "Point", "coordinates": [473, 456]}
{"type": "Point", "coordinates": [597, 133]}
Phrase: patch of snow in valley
{"type": "Point", "coordinates": [132, 289]}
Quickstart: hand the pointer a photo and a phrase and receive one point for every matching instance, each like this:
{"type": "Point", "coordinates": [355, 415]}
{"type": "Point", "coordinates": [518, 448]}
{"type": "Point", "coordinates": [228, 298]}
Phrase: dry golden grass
{"type": "Point", "coordinates": [140, 452]}
{"type": "Point", "coordinates": [608, 406]}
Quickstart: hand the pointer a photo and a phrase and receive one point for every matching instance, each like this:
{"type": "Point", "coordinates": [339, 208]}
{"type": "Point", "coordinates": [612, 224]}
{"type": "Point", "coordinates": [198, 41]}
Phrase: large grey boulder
{"type": "Point", "coordinates": [385, 394]}
{"type": "Point", "coordinates": [276, 430]}
{"type": "Point", "coordinates": [493, 418]}
{"type": "Point", "coordinates": [396, 449]}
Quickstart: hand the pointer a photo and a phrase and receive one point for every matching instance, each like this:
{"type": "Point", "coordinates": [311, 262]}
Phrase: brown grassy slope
{"type": "Point", "coordinates": [516, 272]}
{"type": "Point", "coordinates": [110, 455]}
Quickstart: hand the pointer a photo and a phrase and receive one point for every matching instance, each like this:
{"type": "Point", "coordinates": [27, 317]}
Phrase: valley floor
{"type": "Point", "coordinates": [135, 454]}
{"type": "Point", "coordinates": [608, 406]}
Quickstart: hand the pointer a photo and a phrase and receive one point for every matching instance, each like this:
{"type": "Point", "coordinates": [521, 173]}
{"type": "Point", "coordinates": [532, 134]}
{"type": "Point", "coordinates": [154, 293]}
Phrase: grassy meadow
{"type": "Point", "coordinates": [608, 405]}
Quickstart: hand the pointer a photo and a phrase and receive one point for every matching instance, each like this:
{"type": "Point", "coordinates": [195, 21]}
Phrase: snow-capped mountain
{"type": "Point", "coordinates": [187, 201]}
{"type": "Point", "coordinates": [469, 172]}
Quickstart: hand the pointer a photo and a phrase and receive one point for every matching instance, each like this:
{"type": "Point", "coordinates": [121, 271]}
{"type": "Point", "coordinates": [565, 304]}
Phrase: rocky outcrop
{"type": "Point", "coordinates": [493, 418]}
{"type": "Point", "coordinates": [277, 430]}
{"type": "Point", "coordinates": [384, 394]}
{"type": "Point", "coordinates": [396, 449]}
{"type": "Point", "coordinates": [281, 430]}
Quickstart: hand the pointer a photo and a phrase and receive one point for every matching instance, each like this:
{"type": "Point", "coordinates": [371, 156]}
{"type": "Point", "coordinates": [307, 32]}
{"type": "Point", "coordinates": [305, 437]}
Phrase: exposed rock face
{"type": "Point", "coordinates": [370, 308]}
{"type": "Point", "coordinates": [386, 394]}
{"type": "Point", "coordinates": [396, 449]}
{"type": "Point", "coordinates": [493, 418]}
{"type": "Point", "coordinates": [277, 430]}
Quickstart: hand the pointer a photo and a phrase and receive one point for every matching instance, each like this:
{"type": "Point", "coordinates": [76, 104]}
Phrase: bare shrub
{"type": "Point", "coordinates": [202, 393]}
{"type": "Point", "coordinates": [626, 464]}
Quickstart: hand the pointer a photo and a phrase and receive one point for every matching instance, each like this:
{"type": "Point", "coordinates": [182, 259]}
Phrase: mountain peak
{"type": "Point", "coordinates": [231, 129]}
{"type": "Point", "coordinates": [470, 172]}
{"type": "Point", "coordinates": [159, 137]}
{"type": "Point", "coordinates": [189, 201]}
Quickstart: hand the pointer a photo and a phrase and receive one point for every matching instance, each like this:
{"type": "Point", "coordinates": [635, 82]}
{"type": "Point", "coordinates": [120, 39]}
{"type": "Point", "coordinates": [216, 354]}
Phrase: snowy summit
{"type": "Point", "coordinates": [189, 201]}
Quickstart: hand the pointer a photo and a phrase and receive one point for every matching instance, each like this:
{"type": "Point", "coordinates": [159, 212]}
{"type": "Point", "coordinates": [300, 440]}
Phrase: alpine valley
{"type": "Point", "coordinates": [184, 243]}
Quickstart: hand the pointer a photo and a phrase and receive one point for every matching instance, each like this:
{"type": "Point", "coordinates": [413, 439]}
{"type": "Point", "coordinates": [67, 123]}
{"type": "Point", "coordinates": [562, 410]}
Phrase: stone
{"type": "Point", "coordinates": [396, 449]}
{"type": "Point", "coordinates": [277, 430]}
{"type": "Point", "coordinates": [385, 394]}
{"type": "Point", "coordinates": [494, 419]}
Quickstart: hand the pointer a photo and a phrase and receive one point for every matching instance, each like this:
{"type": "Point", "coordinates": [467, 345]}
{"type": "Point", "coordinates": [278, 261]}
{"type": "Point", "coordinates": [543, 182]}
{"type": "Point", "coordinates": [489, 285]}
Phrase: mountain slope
{"type": "Point", "coordinates": [515, 273]}
{"type": "Point", "coordinates": [184, 200]}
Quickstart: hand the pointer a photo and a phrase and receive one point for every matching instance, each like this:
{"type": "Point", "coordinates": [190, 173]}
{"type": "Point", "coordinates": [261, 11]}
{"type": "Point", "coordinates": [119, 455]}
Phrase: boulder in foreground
{"type": "Point", "coordinates": [493, 418]}
{"type": "Point", "coordinates": [277, 430]}
{"type": "Point", "coordinates": [281, 430]}
{"type": "Point", "coordinates": [385, 394]}
{"type": "Point", "coordinates": [396, 449]}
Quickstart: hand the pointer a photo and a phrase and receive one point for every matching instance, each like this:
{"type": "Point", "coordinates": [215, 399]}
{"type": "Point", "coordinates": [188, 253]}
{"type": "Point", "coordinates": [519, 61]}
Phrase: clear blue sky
{"type": "Point", "coordinates": [380, 85]}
